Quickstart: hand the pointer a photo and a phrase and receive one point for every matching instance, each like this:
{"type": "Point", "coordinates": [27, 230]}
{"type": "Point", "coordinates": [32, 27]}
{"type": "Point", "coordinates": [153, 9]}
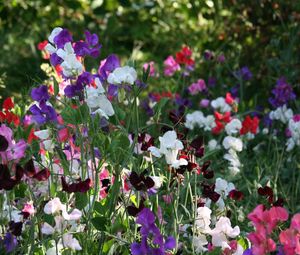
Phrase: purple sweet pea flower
{"type": "Point", "coordinates": [76, 89]}
{"type": "Point", "coordinates": [91, 39]}
{"type": "Point", "coordinates": [244, 73]}
{"type": "Point", "coordinates": [149, 231]}
{"type": "Point", "coordinates": [108, 65]}
{"type": "Point", "coordinates": [10, 242]}
{"type": "Point", "coordinates": [208, 55]}
{"type": "Point", "coordinates": [112, 90]}
{"type": "Point", "coordinates": [43, 113]}
{"type": "Point", "coordinates": [55, 59]}
{"type": "Point", "coordinates": [89, 47]}
{"type": "Point", "coordinates": [248, 252]}
{"type": "Point", "coordinates": [40, 93]}
{"type": "Point", "coordinates": [212, 81]}
{"type": "Point", "coordinates": [282, 93]}
{"type": "Point", "coordinates": [62, 38]}
{"type": "Point", "coordinates": [267, 121]}
{"type": "Point", "coordinates": [145, 105]}
{"type": "Point", "coordinates": [235, 90]}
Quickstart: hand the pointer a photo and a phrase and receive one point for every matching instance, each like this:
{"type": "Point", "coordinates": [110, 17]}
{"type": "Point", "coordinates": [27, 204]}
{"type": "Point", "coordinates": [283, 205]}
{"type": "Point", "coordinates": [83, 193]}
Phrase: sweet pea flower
{"type": "Point", "coordinates": [233, 143]}
{"type": "Point", "coordinates": [151, 67]}
{"type": "Point", "coordinates": [222, 231]}
{"type": "Point", "coordinates": [221, 105]}
{"type": "Point", "coordinates": [122, 75]}
{"type": "Point", "coordinates": [233, 127]}
{"type": "Point", "coordinates": [197, 87]}
{"type": "Point", "coordinates": [169, 147]}
{"type": "Point", "coordinates": [171, 66]}
{"type": "Point", "coordinates": [70, 65]}
{"type": "Point", "coordinates": [97, 101]}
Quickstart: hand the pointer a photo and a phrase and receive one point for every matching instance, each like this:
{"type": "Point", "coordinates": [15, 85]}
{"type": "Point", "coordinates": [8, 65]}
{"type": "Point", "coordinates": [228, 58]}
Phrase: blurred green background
{"type": "Point", "coordinates": [261, 34]}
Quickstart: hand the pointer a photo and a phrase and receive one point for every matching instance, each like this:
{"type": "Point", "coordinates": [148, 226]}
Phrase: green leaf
{"type": "Point", "coordinates": [100, 207]}
{"type": "Point", "coordinates": [81, 200]}
{"type": "Point", "coordinates": [56, 87]}
{"type": "Point", "coordinates": [99, 223]}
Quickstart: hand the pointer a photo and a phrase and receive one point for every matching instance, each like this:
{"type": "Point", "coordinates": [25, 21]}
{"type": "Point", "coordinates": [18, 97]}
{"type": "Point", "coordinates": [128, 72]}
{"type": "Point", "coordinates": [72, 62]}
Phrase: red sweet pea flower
{"type": "Point", "coordinates": [229, 99]}
{"type": "Point", "coordinates": [6, 115]}
{"type": "Point", "coordinates": [42, 45]}
{"type": "Point", "coordinates": [184, 56]}
{"type": "Point", "coordinates": [221, 120]}
{"type": "Point", "coordinates": [8, 104]}
{"type": "Point", "coordinates": [249, 125]}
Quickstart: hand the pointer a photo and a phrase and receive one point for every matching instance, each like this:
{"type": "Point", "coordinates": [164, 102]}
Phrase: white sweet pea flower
{"type": "Point", "coordinates": [294, 129]}
{"type": "Point", "coordinates": [197, 119]}
{"type": "Point", "coordinates": [42, 134]}
{"type": "Point", "coordinates": [213, 145]}
{"type": "Point", "coordinates": [157, 181]}
{"type": "Point", "coordinates": [230, 142]}
{"type": "Point", "coordinates": [233, 127]}
{"type": "Point", "coordinates": [234, 161]}
{"type": "Point", "coordinates": [223, 188]}
{"type": "Point", "coordinates": [53, 206]}
{"type": "Point", "coordinates": [203, 219]}
{"type": "Point", "coordinates": [54, 251]}
{"type": "Point", "coordinates": [74, 215]}
{"type": "Point", "coordinates": [97, 101]}
{"type": "Point", "coordinates": [169, 147]}
{"type": "Point", "coordinates": [199, 241]}
{"type": "Point", "coordinates": [49, 47]}
{"type": "Point", "coordinates": [47, 229]}
{"type": "Point", "coordinates": [223, 230]}
{"type": "Point", "coordinates": [70, 242]}
{"type": "Point", "coordinates": [48, 145]}
{"type": "Point", "coordinates": [125, 74]}
{"type": "Point", "coordinates": [71, 65]}
{"type": "Point", "coordinates": [221, 105]}
{"type": "Point", "coordinates": [54, 33]}
{"type": "Point", "coordinates": [282, 113]}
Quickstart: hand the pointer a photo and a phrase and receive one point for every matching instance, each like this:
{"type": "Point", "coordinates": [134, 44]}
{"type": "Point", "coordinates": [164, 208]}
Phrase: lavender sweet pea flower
{"type": "Point", "coordinates": [40, 93]}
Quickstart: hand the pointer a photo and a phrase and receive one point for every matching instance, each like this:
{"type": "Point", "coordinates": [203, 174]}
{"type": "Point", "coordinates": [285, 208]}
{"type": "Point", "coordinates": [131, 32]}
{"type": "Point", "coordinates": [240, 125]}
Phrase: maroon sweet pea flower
{"type": "Point", "coordinates": [79, 186]}
{"type": "Point", "coordinates": [207, 174]}
{"type": "Point", "coordinates": [133, 210]}
{"type": "Point", "coordinates": [30, 171]}
{"type": "Point", "coordinates": [140, 182]}
{"type": "Point", "coordinates": [197, 145]}
{"type": "Point", "coordinates": [42, 175]}
{"type": "Point", "coordinates": [15, 228]}
{"type": "Point", "coordinates": [236, 195]}
{"type": "Point", "coordinates": [266, 192]}
{"type": "Point", "coordinates": [208, 191]}
{"type": "Point", "coordinates": [6, 181]}
{"type": "Point", "coordinates": [3, 143]}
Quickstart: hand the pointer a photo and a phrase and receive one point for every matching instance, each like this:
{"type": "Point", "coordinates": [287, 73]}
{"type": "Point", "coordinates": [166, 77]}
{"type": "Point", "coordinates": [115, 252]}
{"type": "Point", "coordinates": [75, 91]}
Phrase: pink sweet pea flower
{"type": "Point", "coordinates": [171, 66]}
{"type": "Point", "coordinates": [152, 71]}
